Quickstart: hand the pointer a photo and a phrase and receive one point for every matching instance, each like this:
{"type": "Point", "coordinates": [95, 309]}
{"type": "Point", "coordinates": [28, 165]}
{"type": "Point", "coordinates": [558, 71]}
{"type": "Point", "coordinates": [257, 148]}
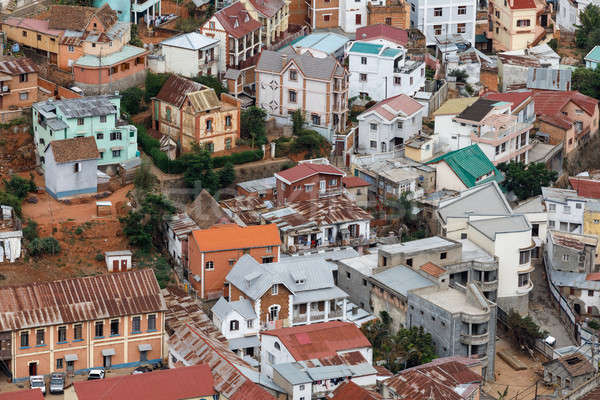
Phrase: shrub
{"type": "Point", "coordinates": [19, 187]}
{"type": "Point", "coordinates": [40, 246]}
{"type": "Point", "coordinates": [154, 82]}
{"type": "Point", "coordinates": [594, 324]}
{"type": "Point", "coordinates": [13, 201]}
{"type": "Point", "coordinates": [30, 232]}
{"type": "Point", "coordinates": [99, 257]}
{"type": "Point", "coordinates": [131, 99]}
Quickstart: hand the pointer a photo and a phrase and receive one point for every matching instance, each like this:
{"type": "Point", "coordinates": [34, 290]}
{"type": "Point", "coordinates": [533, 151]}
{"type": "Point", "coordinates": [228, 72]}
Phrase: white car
{"type": "Point", "coordinates": [38, 382]}
{"type": "Point", "coordinates": [95, 374]}
{"type": "Point", "coordinates": [550, 341]}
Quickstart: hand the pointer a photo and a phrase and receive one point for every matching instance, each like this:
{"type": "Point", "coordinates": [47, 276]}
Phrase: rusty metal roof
{"type": "Point", "coordinates": [79, 299]}
{"type": "Point", "coordinates": [181, 224]}
{"type": "Point", "coordinates": [14, 66]}
{"type": "Point", "coordinates": [176, 88]}
{"type": "Point", "coordinates": [204, 100]}
{"type": "Point", "coordinates": [332, 210]}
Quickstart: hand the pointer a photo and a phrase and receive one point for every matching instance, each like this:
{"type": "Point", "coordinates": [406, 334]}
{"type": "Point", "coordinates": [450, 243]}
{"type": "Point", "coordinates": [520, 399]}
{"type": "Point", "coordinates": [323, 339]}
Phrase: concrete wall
{"type": "Point", "coordinates": [62, 181]}
{"type": "Point", "coordinates": [356, 285]}
{"type": "Point", "coordinates": [89, 83]}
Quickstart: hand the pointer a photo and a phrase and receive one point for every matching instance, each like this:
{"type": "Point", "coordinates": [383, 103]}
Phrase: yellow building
{"type": "Point", "coordinates": [35, 34]}
{"type": "Point", "coordinates": [419, 148]}
{"type": "Point", "coordinates": [513, 23]}
{"type": "Point", "coordinates": [272, 14]}
{"type": "Point", "coordinates": [591, 223]}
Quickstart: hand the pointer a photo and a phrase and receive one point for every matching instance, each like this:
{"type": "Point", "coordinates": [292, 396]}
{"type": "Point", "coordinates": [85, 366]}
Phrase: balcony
{"type": "Point", "coordinates": [330, 192]}
{"type": "Point", "coordinates": [521, 290]}
{"type": "Point", "coordinates": [208, 60]}
{"type": "Point", "coordinates": [490, 285]}
{"type": "Point", "coordinates": [475, 319]}
{"type": "Point", "coordinates": [474, 339]}
{"type": "Point", "coordinates": [485, 266]}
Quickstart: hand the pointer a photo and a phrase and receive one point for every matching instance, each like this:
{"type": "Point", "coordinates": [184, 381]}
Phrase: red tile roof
{"type": "Point", "coordinates": [236, 20]}
{"type": "Point", "coordinates": [586, 187]}
{"type": "Point", "coordinates": [351, 391]}
{"type": "Point", "coordinates": [521, 4]}
{"type": "Point", "coordinates": [391, 107]}
{"type": "Point", "coordinates": [354, 181]}
{"type": "Point", "coordinates": [551, 102]}
{"type": "Point", "coordinates": [562, 123]}
{"type": "Point", "coordinates": [231, 236]}
{"type": "Point", "coordinates": [320, 340]}
{"type": "Point", "coordinates": [268, 7]}
{"type": "Point", "coordinates": [594, 276]}
{"type": "Point", "coordinates": [515, 98]}
{"type": "Point", "coordinates": [304, 170]}
{"type": "Point", "coordinates": [383, 31]}
{"type": "Point", "coordinates": [433, 269]}
{"type": "Point", "coordinates": [30, 394]}
{"type": "Point", "coordinates": [169, 384]}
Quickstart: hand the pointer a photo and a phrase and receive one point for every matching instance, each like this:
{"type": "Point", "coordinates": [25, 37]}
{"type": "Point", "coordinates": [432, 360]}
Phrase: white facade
{"type": "Point", "coordinates": [566, 214]}
{"type": "Point", "coordinates": [441, 17]}
{"type": "Point", "coordinates": [380, 70]}
{"type": "Point", "coordinates": [118, 261]}
{"type": "Point", "coordinates": [567, 13]}
{"type": "Point", "coordinates": [349, 9]}
{"type": "Point", "coordinates": [192, 60]}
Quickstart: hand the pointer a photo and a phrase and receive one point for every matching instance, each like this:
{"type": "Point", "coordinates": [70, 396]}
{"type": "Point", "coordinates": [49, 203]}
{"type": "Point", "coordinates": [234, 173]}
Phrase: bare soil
{"type": "Point", "coordinates": [16, 150]}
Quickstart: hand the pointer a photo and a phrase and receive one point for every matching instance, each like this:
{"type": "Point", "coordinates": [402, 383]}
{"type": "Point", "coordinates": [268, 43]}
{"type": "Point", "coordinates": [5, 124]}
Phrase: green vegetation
{"type": "Point", "coordinates": [587, 81]}
{"type": "Point", "coordinates": [42, 246]}
{"type": "Point", "coordinates": [406, 349]}
{"type": "Point", "coordinates": [226, 175]}
{"type": "Point", "coordinates": [594, 324]}
{"type": "Point", "coordinates": [429, 73]}
{"type": "Point", "coordinates": [143, 227]}
{"type": "Point", "coordinates": [135, 38]}
{"type": "Point", "coordinates": [99, 257]}
{"type": "Point", "coordinates": [526, 181]}
{"type": "Point", "coordinates": [553, 43]}
{"type": "Point", "coordinates": [20, 187]}
{"type": "Point", "coordinates": [212, 82]}
{"type": "Point", "coordinates": [154, 82]}
{"type": "Point", "coordinates": [187, 24]}
{"type": "Point", "coordinates": [7, 199]}
{"type": "Point", "coordinates": [297, 122]}
{"type": "Point", "coordinates": [30, 231]}
{"type": "Point", "coordinates": [160, 265]}
{"type": "Point", "coordinates": [523, 331]}
{"type": "Point", "coordinates": [131, 100]}
{"type": "Point", "coordinates": [253, 125]}
{"type": "Point", "coordinates": [461, 75]}
{"type": "Point", "coordinates": [587, 34]}
{"type": "Point", "coordinates": [144, 180]}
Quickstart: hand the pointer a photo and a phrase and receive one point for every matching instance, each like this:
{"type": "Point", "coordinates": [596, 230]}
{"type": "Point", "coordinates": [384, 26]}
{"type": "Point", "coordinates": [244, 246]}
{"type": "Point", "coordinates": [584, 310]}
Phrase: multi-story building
{"type": "Point", "coordinates": [439, 19]}
{"type": "Point", "coordinates": [513, 23]}
{"type": "Point", "coordinates": [308, 181]}
{"type": "Point", "coordinates": [190, 55]}
{"type": "Point", "coordinates": [381, 70]}
{"type": "Point", "coordinates": [119, 323]}
{"type": "Point", "coordinates": [395, 13]}
{"type": "Point", "coordinates": [34, 34]}
{"type": "Point", "coordinates": [213, 252]}
{"type": "Point", "coordinates": [288, 81]}
{"type": "Point", "coordinates": [522, 103]}
{"type": "Point", "coordinates": [567, 13]}
{"type": "Point", "coordinates": [389, 123]}
{"type": "Point", "coordinates": [239, 324]}
{"type": "Point", "coordinates": [565, 209]}
{"type": "Point", "coordinates": [188, 112]}
{"type": "Point", "coordinates": [273, 15]}
{"type": "Point", "coordinates": [97, 116]}
{"type": "Point", "coordinates": [19, 87]}
{"type": "Point", "coordinates": [591, 222]}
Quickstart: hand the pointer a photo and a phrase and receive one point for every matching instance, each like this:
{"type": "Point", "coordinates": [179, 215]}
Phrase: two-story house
{"type": "Point", "coordinates": [239, 324]}
{"type": "Point", "coordinates": [437, 19]}
{"type": "Point", "coordinates": [273, 16]}
{"type": "Point", "coordinates": [97, 116]}
{"type": "Point", "coordinates": [35, 34]}
{"type": "Point", "coordinates": [308, 181]}
{"type": "Point", "coordinates": [188, 112]}
{"type": "Point", "coordinates": [381, 70]}
{"type": "Point", "coordinates": [288, 80]}
{"type": "Point", "coordinates": [19, 87]}
{"type": "Point", "coordinates": [522, 103]}
{"type": "Point", "coordinates": [213, 252]}
{"type": "Point", "coordinates": [389, 123]}
{"type": "Point", "coordinates": [565, 209]}
{"type": "Point", "coordinates": [513, 23]}
{"type": "Point", "coordinates": [191, 54]}
{"type": "Point", "coordinates": [110, 321]}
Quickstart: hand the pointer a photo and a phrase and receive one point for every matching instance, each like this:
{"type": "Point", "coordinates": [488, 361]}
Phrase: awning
{"type": "Point", "coordinates": [108, 352]}
{"type": "Point", "coordinates": [144, 347]}
{"type": "Point", "coordinates": [243, 342]}
{"type": "Point", "coordinates": [70, 357]}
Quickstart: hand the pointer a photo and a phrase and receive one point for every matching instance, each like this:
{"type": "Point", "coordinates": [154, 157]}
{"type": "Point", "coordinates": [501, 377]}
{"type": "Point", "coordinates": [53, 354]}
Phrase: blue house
{"type": "Point", "coordinates": [95, 116]}
{"type": "Point", "coordinates": [132, 10]}
{"type": "Point", "coordinates": [592, 59]}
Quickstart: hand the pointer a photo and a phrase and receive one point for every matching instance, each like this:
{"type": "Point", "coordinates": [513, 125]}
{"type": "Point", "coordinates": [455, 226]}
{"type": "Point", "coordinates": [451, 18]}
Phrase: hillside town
{"type": "Point", "coordinates": [299, 200]}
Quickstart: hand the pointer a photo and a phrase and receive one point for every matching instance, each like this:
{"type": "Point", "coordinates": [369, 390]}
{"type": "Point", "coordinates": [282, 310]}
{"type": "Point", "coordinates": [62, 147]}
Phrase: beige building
{"type": "Point", "coordinates": [273, 16]}
{"type": "Point", "coordinates": [513, 23]}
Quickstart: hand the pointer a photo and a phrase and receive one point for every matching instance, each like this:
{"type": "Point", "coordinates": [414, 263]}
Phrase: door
{"type": "Point", "coordinates": [32, 368]}
{"type": "Point", "coordinates": [70, 366]}
{"type": "Point", "coordinates": [115, 266]}
{"type": "Point", "coordinates": [124, 265]}
{"type": "Point", "coordinates": [143, 356]}
{"type": "Point", "coordinates": [322, 186]}
{"type": "Point", "coordinates": [107, 361]}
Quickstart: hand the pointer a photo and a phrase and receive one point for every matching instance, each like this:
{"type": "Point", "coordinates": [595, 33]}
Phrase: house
{"type": "Point", "coordinates": [350, 390]}
{"type": "Point", "coordinates": [382, 70]}
{"type": "Point", "coordinates": [447, 378]}
{"type": "Point", "coordinates": [325, 43]}
{"type": "Point", "coordinates": [188, 112]}
{"type": "Point", "coordinates": [128, 11]}
{"type": "Point", "coordinates": [571, 252]}
{"type": "Point", "coordinates": [387, 32]}
{"type": "Point", "coordinates": [565, 209]}
{"type": "Point", "coordinates": [420, 148]}
{"type": "Point", "coordinates": [245, 210]}
{"type": "Point", "coordinates": [513, 66]}
{"type": "Point", "coordinates": [522, 103]}
{"type": "Point", "coordinates": [357, 189]}
{"type": "Point", "coordinates": [463, 169]}
{"type": "Point", "coordinates": [567, 14]}
{"type": "Point", "coordinates": [206, 212]}
{"type": "Point", "coordinates": [514, 23]}
{"type": "Point", "coordinates": [569, 371]}
{"type": "Point", "coordinates": [469, 61]}
{"type": "Point", "coordinates": [239, 324]}
{"type": "Point", "coordinates": [10, 235]}
{"type": "Point", "coordinates": [118, 260]}
{"type": "Point", "coordinates": [70, 167]}
{"type": "Point", "coordinates": [263, 189]}
{"type": "Point", "coordinates": [195, 382]}
{"type": "Point", "coordinates": [591, 222]}
{"type": "Point", "coordinates": [296, 290]}
{"type": "Point", "coordinates": [285, 80]}
{"type": "Point", "coordinates": [300, 182]}
{"type": "Point", "coordinates": [389, 123]}
{"type": "Point", "coordinates": [95, 116]}
{"type": "Point", "coordinates": [35, 34]}
{"type": "Point", "coordinates": [273, 15]}
{"type": "Point", "coordinates": [25, 394]}
{"type": "Point", "coordinates": [190, 54]}
{"type": "Point", "coordinates": [395, 13]}
{"type": "Point", "coordinates": [435, 21]}
{"type": "Point", "coordinates": [127, 308]}
{"type": "Point", "coordinates": [177, 231]}
{"type": "Point", "coordinates": [535, 211]}
{"type": "Point", "coordinates": [298, 343]}
{"type": "Point", "coordinates": [592, 59]}
{"type": "Point", "coordinates": [19, 83]}
{"type": "Point", "coordinates": [444, 115]}
{"type": "Point", "coordinates": [214, 251]}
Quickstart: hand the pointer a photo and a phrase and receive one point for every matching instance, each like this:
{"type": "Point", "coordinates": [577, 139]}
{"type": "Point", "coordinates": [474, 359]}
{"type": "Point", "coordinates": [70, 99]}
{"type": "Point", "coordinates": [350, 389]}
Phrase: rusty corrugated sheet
{"type": "Point", "coordinates": [176, 88]}
{"type": "Point", "coordinates": [15, 66]}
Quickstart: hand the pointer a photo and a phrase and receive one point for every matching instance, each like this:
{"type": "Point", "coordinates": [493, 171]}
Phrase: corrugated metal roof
{"type": "Point", "coordinates": [176, 88]}
{"type": "Point", "coordinates": [549, 79]}
{"type": "Point", "coordinates": [204, 100]}
{"type": "Point", "coordinates": [470, 164]}
{"type": "Point", "coordinates": [311, 67]}
{"type": "Point", "coordinates": [191, 41]}
{"type": "Point", "coordinates": [486, 199]}
{"type": "Point", "coordinates": [15, 66]}
{"type": "Point", "coordinates": [79, 107]}
{"type": "Point", "coordinates": [401, 279]}
{"type": "Point", "coordinates": [79, 299]}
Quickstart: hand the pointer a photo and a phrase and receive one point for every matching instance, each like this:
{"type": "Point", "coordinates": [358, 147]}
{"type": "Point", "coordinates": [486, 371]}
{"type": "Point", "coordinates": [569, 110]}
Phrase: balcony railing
{"type": "Point", "coordinates": [475, 339]}
{"type": "Point", "coordinates": [475, 319]}
{"type": "Point", "coordinates": [330, 192]}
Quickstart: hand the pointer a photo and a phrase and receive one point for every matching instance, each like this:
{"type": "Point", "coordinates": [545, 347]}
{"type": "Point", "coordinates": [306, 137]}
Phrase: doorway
{"type": "Point", "coordinates": [70, 367]}
{"type": "Point", "coordinates": [33, 368]}
{"type": "Point", "coordinates": [107, 361]}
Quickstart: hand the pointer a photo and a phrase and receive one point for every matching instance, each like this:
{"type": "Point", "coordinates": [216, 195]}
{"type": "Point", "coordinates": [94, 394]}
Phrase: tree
{"type": "Point", "coordinates": [144, 180]}
{"type": "Point", "coordinates": [587, 32]}
{"type": "Point", "coordinates": [135, 39]}
{"type": "Point", "coordinates": [20, 187]}
{"type": "Point", "coordinates": [461, 75]}
{"type": "Point", "coordinates": [402, 208]}
{"type": "Point", "coordinates": [226, 175]}
{"type": "Point", "coordinates": [297, 122]}
{"type": "Point", "coordinates": [212, 82]}
{"type": "Point", "coordinates": [523, 331]}
{"type": "Point", "coordinates": [253, 125]}
{"type": "Point", "coordinates": [143, 227]}
{"type": "Point", "coordinates": [526, 181]}
{"type": "Point", "coordinates": [587, 81]}
{"type": "Point", "coordinates": [7, 199]}
{"type": "Point", "coordinates": [30, 231]}
{"type": "Point", "coordinates": [153, 84]}
{"type": "Point", "coordinates": [130, 100]}
{"type": "Point", "coordinates": [200, 173]}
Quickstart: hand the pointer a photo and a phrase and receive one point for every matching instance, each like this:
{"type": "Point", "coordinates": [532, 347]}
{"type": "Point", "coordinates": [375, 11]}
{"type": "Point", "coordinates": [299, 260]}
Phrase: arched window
{"type": "Point", "coordinates": [274, 312]}
{"type": "Point", "coordinates": [234, 325]}
{"type": "Point", "coordinates": [277, 346]}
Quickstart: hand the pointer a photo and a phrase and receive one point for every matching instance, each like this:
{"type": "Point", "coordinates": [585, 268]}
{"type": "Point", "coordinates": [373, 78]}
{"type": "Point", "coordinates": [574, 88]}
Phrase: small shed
{"type": "Point", "coordinates": [118, 261]}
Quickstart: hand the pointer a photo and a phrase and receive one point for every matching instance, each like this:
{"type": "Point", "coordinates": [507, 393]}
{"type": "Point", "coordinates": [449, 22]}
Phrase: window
{"type": "Point", "coordinates": [523, 22]}
{"type": "Point", "coordinates": [116, 153]}
{"type": "Point", "coordinates": [373, 144]}
{"type": "Point", "coordinates": [211, 25]}
{"type": "Point", "coordinates": [136, 325]}
{"type": "Point", "coordinates": [461, 28]}
{"type": "Point", "coordinates": [497, 150]}
{"type": "Point", "coordinates": [293, 75]}
{"type": "Point", "coordinates": [209, 265]}
{"type": "Point", "coordinates": [292, 96]}
{"type": "Point", "coordinates": [39, 337]}
{"type": "Point", "coordinates": [23, 96]}
{"type": "Point", "coordinates": [523, 279]}
{"type": "Point", "coordinates": [597, 221]}
{"type": "Point", "coordinates": [409, 262]}
{"type": "Point", "coordinates": [76, 167]}
{"type": "Point", "coordinates": [373, 127]}
{"type": "Point", "coordinates": [524, 257]}
{"type": "Point", "coordinates": [358, 19]}
{"type": "Point", "coordinates": [578, 206]}
{"type": "Point", "coordinates": [363, 60]}
{"type": "Point", "coordinates": [103, 118]}
{"type": "Point", "coordinates": [462, 10]}
{"type": "Point", "coordinates": [565, 257]}
{"type": "Point", "coordinates": [209, 125]}
{"type": "Point", "coordinates": [388, 21]}
{"type": "Point", "coordinates": [99, 331]}
{"type": "Point", "coordinates": [363, 77]}
{"type": "Point", "coordinates": [114, 327]}
{"type": "Point", "coordinates": [326, 17]}
{"type": "Point", "coordinates": [277, 346]}
{"type": "Point", "coordinates": [551, 224]}
{"type": "Point", "coordinates": [503, 147]}
{"type": "Point", "coordinates": [228, 121]}
{"type": "Point", "coordinates": [124, 66]}
{"type": "Point", "coordinates": [316, 119]}
{"type": "Point", "coordinates": [400, 124]}
{"type": "Point", "coordinates": [301, 387]}
{"type": "Point", "coordinates": [24, 339]}
{"type": "Point", "coordinates": [274, 289]}
{"type": "Point", "coordinates": [437, 12]}
{"type": "Point", "coordinates": [79, 121]}
{"type": "Point", "coordinates": [271, 358]}
{"type": "Point", "coordinates": [333, 182]}
{"type": "Point", "coordinates": [437, 29]}
{"type": "Point", "coordinates": [463, 235]}
{"type": "Point", "coordinates": [308, 188]}
{"type": "Point", "coordinates": [24, 34]}
{"type": "Point", "coordinates": [168, 114]}
{"type": "Point", "coordinates": [552, 207]}
{"type": "Point", "coordinates": [59, 363]}
{"type": "Point", "coordinates": [42, 141]}
{"type": "Point", "coordinates": [443, 255]}
{"type": "Point", "coordinates": [228, 144]}
{"type": "Point", "coordinates": [71, 49]}
{"type": "Point", "coordinates": [77, 330]}
{"type": "Point", "coordinates": [62, 334]}
{"type": "Point", "coordinates": [397, 80]}
{"type": "Point", "coordinates": [567, 209]}
{"type": "Point", "coordinates": [348, 275]}
{"type": "Point", "coordinates": [250, 323]}
{"type": "Point", "coordinates": [590, 293]}
{"type": "Point", "coordinates": [234, 325]}
{"type": "Point", "coordinates": [364, 282]}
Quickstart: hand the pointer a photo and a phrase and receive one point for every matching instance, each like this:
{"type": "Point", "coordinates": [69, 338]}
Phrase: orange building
{"type": "Point", "coordinates": [19, 88]}
{"type": "Point", "coordinates": [214, 251]}
{"type": "Point", "coordinates": [111, 321]}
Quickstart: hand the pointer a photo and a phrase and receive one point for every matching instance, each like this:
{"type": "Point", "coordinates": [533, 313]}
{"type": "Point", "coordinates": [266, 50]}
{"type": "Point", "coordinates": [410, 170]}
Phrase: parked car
{"type": "Point", "coordinates": [95, 374]}
{"type": "Point", "coordinates": [57, 382]}
{"type": "Point", "coordinates": [141, 369]}
{"type": "Point", "coordinates": [38, 382]}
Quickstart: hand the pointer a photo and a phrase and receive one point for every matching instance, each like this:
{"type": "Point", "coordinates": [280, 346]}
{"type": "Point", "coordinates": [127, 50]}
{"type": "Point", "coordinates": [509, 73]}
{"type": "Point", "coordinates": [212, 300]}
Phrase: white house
{"type": "Point", "coordinates": [190, 54]}
{"type": "Point", "coordinates": [567, 13]}
{"type": "Point", "coordinates": [435, 18]}
{"type": "Point", "coordinates": [565, 209]}
{"type": "Point", "coordinates": [238, 322]}
{"type": "Point", "coordinates": [535, 211]}
{"type": "Point", "coordinates": [389, 123]}
{"type": "Point", "coordinates": [118, 261]}
{"type": "Point", "coordinates": [381, 70]}
{"type": "Point", "coordinates": [177, 229]}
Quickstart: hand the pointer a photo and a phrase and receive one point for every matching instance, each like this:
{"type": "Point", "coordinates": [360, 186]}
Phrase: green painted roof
{"type": "Point", "coordinates": [111, 59]}
{"type": "Point", "coordinates": [469, 164]}
{"type": "Point", "coordinates": [391, 52]}
{"type": "Point", "coordinates": [366, 48]}
{"type": "Point", "coordinates": [594, 54]}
